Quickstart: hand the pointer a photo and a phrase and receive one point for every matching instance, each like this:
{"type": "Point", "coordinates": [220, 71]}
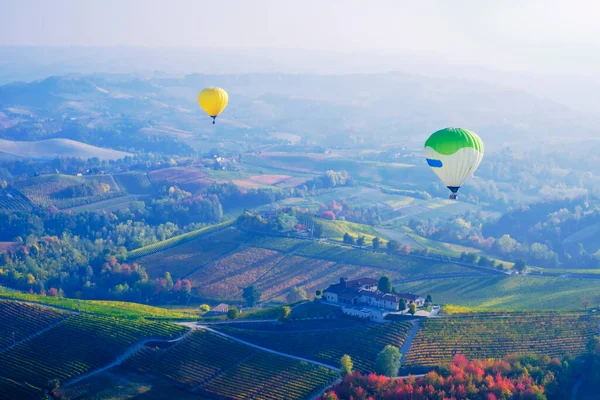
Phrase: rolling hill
{"type": "Point", "coordinates": [52, 148]}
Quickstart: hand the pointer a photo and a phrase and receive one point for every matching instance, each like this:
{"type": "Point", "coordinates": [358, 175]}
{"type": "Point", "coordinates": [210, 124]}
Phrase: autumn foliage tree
{"type": "Point", "coordinates": [346, 365]}
{"type": "Point", "coordinates": [529, 377]}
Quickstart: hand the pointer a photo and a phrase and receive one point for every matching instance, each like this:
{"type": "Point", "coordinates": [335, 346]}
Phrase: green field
{"type": "Point", "coordinates": [336, 229]}
{"type": "Point", "coordinates": [509, 292]}
{"type": "Point", "coordinates": [101, 307]}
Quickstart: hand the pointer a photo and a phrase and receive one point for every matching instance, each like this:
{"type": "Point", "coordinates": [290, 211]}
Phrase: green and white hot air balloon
{"type": "Point", "coordinates": [454, 154]}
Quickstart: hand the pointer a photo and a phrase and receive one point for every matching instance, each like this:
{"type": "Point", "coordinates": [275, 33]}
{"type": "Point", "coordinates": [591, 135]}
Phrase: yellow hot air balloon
{"type": "Point", "coordinates": [213, 101]}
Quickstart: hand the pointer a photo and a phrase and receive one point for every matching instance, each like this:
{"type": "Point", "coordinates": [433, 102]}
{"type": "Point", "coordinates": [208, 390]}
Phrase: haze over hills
{"type": "Point", "coordinates": [27, 63]}
{"type": "Point", "coordinates": [324, 110]}
{"type": "Point", "coordinates": [53, 148]}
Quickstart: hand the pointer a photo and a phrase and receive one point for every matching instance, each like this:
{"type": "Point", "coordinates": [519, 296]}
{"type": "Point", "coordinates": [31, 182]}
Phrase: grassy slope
{"type": "Point", "coordinates": [508, 293]}
{"type": "Point", "coordinates": [336, 229]}
{"type": "Point", "coordinates": [101, 307]}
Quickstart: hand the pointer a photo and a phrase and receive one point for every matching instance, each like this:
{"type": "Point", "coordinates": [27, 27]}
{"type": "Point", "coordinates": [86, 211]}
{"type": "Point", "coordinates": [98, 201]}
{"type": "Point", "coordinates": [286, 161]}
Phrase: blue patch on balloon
{"type": "Point", "coordinates": [434, 163]}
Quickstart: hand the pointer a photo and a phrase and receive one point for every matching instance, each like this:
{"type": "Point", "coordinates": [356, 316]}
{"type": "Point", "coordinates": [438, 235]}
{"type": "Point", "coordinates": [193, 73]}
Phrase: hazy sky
{"type": "Point", "coordinates": [542, 35]}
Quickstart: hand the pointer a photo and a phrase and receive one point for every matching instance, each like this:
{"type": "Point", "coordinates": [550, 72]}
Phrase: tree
{"type": "Point", "coordinates": [402, 304]}
{"type": "Point", "coordinates": [318, 293]}
{"type": "Point", "coordinates": [376, 242]}
{"type": "Point", "coordinates": [585, 302]}
{"type": "Point", "coordinates": [484, 261]}
{"type": "Point", "coordinates": [468, 258]}
{"type": "Point", "coordinates": [385, 284]}
{"type": "Point", "coordinates": [169, 280]}
{"type": "Point", "coordinates": [428, 299]}
{"type": "Point", "coordinates": [205, 307]}
{"type": "Point", "coordinates": [520, 265]}
{"type": "Point", "coordinates": [284, 313]}
{"type": "Point", "coordinates": [388, 361]}
{"type": "Point", "coordinates": [393, 245]}
{"type": "Point", "coordinates": [233, 313]}
{"type": "Point", "coordinates": [406, 249]}
{"type": "Point", "coordinates": [360, 241]}
{"type": "Point", "coordinates": [346, 365]}
{"type": "Point", "coordinates": [412, 308]}
{"type": "Point", "coordinates": [295, 295]}
{"type": "Point", "coordinates": [328, 215]}
{"type": "Point", "coordinates": [251, 295]}
{"type": "Point", "coordinates": [348, 239]}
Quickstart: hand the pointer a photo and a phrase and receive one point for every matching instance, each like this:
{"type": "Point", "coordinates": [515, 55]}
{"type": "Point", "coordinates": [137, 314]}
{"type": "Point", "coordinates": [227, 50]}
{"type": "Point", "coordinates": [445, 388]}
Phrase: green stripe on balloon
{"type": "Point", "coordinates": [449, 140]}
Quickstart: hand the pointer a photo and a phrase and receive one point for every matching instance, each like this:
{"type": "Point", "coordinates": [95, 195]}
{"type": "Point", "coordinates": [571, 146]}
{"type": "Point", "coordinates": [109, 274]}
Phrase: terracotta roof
{"type": "Point", "coordinates": [340, 287]}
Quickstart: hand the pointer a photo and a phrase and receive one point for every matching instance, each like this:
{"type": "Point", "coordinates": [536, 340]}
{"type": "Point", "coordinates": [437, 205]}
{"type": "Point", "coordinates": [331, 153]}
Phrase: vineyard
{"type": "Point", "coordinates": [519, 292]}
{"type": "Point", "coordinates": [189, 179]}
{"type": "Point", "coordinates": [276, 264]}
{"type": "Point", "coordinates": [185, 258]}
{"type": "Point", "coordinates": [75, 346]}
{"type": "Point", "coordinates": [494, 335]}
{"type": "Point", "coordinates": [134, 182]}
{"type": "Point", "coordinates": [276, 243]}
{"type": "Point", "coordinates": [392, 262]}
{"type": "Point", "coordinates": [177, 240]}
{"type": "Point", "coordinates": [217, 366]}
{"type": "Point", "coordinates": [224, 278]}
{"type": "Point", "coordinates": [120, 309]}
{"type": "Point", "coordinates": [268, 376]}
{"type": "Point", "coordinates": [46, 190]}
{"type": "Point", "coordinates": [13, 200]}
{"type": "Point", "coordinates": [21, 320]}
{"type": "Point", "coordinates": [362, 342]}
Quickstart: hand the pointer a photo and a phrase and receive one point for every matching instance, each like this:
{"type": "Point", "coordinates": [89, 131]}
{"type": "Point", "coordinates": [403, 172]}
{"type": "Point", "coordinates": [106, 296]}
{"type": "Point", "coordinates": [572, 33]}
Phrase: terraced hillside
{"type": "Point", "coordinates": [13, 200]}
{"type": "Point", "coordinates": [216, 366]}
{"type": "Point", "coordinates": [184, 259]}
{"type": "Point", "coordinates": [362, 341]}
{"type": "Point", "coordinates": [494, 335]}
{"type": "Point", "coordinates": [134, 182]}
{"type": "Point", "coordinates": [71, 348]}
{"type": "Point", "coordinates": [20, 320]}
{"type": "Point", "coordinates": [64, 191]}
{"type": "Point", "coordinates": [218, 270]}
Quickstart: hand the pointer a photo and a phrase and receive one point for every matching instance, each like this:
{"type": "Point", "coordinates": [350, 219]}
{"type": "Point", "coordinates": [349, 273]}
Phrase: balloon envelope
{"type": "Point", "coordinates": [454, 154]}
{"type": "Point", "coordinates": [213, 101]}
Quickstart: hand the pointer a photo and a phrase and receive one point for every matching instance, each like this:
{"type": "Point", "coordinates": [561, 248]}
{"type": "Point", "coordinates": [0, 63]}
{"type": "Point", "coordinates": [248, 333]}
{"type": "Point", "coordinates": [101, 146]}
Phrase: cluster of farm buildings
{"type": "Point", "coordinates": [363, 292]}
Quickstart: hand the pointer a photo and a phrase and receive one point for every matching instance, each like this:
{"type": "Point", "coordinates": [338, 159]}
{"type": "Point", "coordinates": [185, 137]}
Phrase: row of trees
{"type": "Point", "coordinates": [393, 246]}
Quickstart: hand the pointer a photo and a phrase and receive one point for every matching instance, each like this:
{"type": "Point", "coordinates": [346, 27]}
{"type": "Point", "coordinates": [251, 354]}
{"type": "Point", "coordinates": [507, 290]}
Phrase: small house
{"type": "Point", "coordinates": [412, 298]}
{"type": "Point", "coordinates": [216, 311]}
